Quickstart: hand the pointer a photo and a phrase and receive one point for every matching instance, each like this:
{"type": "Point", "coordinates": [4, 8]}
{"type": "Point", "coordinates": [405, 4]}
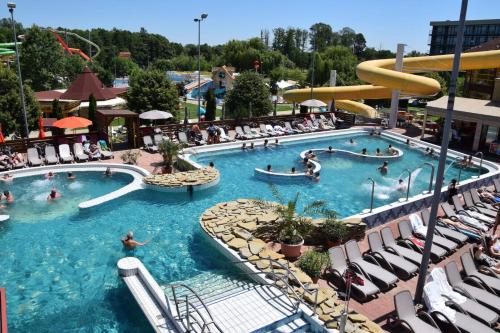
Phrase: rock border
{"type": "Point", "coordinates": [232, 223]}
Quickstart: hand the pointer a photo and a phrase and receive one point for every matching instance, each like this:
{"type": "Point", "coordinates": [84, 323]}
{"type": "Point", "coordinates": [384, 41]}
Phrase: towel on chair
{"type": "Point", "coordinates": [436, 302]}
{"type": "Point", "coordinates": [417, 225]}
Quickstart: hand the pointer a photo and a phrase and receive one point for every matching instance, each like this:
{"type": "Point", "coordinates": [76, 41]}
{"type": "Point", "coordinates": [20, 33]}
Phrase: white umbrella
{"type": "Point", "coordinates": [313, 103]}
{"type": "Point", "coordinates": [155, 115]}
{"type": "Point", "coordinates": [283, 84]}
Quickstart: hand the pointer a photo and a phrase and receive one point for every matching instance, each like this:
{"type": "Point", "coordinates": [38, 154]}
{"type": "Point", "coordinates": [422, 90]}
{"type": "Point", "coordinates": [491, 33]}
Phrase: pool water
{"type": "Point", "coordinates": [58, 263]}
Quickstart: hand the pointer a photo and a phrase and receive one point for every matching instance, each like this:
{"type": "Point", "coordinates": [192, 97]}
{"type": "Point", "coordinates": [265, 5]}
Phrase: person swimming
{"type": "Point", "coordinates": [401, 187]}
{"type": "Point", "coordinates": [311, 155]}
{"type": "Point", "coordinates": [383, 169]}
{"type": "Point", "coordinates": [269, 168]}
{"type": "Point", "coordinates": [330, 150]}
{"type": "Point", "coordinates": [316, 177]}
{"type": "Point", "coordinates": [305, 160]}
{"type": "Point", "coordinates": [8, 196]}
{"type": "Point", "coordinates": [53, 194]}
{"type": "Point", "coordinates": [266, 143]}
{"type": "Point", "coordinates": [351, 141]}
{"type": "Point", "coordinates": [252, 145]}
{"type": "Point", "coordinates": [378, 153]}
{"type": "Point", "coordinates": [108, 172]}
{"type": "Point", "coordinates": [364, 151]}
{"type": "Point", "coordinates": [211, 165]}
{"type": "Point", "coordinates": [49, 175]}
{"type": "Point", "coordinates": [293, 170]}
{"type": "Point", "coordinates": [130, 243]}
{"type": "Point", "coordinates": [276, 142]}
{"type": "Point", "coordinates": [71, 175]}
{"type": "Point", "coordinates": [7, 177]}
{"type": "Point", "coordinates": [244, 146]}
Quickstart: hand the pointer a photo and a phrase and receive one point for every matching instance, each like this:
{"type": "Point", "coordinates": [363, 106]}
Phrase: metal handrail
{"type": "Point", "coordinates": [432, 175]}
{"type": "Point", "coordinates": [205, 324]}
{"type": "Point", "coordinates": [480, 153]}
{"type": "Point", "coordinates": [373, 192]}
{"type": "Point", "coordinates": [300, 298]}
{"type": "Point", "coordinates": [409, 183]}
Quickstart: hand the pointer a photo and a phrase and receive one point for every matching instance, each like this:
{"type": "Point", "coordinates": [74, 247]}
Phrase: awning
{"type": "Point", "coordinates": [467, 109]}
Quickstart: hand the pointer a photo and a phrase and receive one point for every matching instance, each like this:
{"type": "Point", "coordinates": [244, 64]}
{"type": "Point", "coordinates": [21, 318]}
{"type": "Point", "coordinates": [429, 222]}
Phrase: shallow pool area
{"type": "Point", "coordinates": [58, 262]}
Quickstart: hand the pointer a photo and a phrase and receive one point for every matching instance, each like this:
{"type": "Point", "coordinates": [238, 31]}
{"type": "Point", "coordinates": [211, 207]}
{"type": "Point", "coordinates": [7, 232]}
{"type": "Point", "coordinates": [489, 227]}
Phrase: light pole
{"type": "Point", "coordinates": [11, 7]}
{"type": "Point", "coordinates": [201, 18]}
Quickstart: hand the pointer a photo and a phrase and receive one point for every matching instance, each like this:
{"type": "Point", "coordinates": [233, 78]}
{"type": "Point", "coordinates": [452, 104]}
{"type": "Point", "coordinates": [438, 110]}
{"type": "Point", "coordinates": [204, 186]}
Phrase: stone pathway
{"type": "Point", "coordinates": [235, 223]}
{"type": "Point", "coordinates": [180, 179]}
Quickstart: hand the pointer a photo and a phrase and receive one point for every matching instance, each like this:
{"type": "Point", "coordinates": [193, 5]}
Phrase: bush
{"type": "Point", "coordinates": [312, 263]}
{"type": "Point", "coordinates": [334, 231]}
{"type": "Point", "coordinates": [131, 157]}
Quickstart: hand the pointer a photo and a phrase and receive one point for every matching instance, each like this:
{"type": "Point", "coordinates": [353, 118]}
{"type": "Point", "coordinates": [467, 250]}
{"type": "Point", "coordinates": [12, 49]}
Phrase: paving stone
{"type": "Point", "coordinates": [242, 234]}
{"type": "Point", "coordinates": [255, 247]}
{"type": "Point", "coordinates": [357, 318]}
{"type": "Point", "coordinates": [245, 252]}
{"type": "Point", "coordinates": [227, 237]}
{"type": "Point", "coordinates": [332, 324]}
{"type": "Point", "coordinates": [237, 243]}
{"type": "Point", "coordinates": [370, 326]}
{"type": "Point", "coordinates": [325, 317]}
{"type": "Point", "coordinates": [248, 226]}
{"type": "Point", "coordinates": [266, 253]}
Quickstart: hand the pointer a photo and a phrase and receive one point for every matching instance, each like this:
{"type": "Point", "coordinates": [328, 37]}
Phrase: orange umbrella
{"type": "Point", "coordinates": [41, 133]}
{"type": "Point", "coordinates": [72, 122]}
{"type": "Point", "coordinates": [2, 139]}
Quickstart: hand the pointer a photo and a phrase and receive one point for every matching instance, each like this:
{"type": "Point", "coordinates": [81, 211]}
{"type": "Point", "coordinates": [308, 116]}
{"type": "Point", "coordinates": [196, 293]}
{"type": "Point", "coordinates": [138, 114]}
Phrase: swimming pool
{"type": "Point", "coordinates": [58, 263]}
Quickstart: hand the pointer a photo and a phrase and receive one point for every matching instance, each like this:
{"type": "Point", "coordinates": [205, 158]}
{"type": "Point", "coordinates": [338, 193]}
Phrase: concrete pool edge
{"type": "Point", "coordinates": [136, 172]}
{"type": "Point", "coordinates": [380, 214]}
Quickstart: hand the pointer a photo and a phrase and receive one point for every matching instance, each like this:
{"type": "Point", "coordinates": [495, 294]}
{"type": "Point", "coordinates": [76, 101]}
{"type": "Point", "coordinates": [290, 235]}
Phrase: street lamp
{"type": "Point", "coordinates": [201, 18]}
{"type": "Point", "coordinates": [11, 7]}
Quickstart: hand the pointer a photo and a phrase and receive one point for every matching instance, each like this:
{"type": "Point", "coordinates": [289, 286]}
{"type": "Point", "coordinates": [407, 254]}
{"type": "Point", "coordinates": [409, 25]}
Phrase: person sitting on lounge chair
{"type": "Point", "coordinates": [94, 152]}
{"type": "Point", "coordinates": [130, 243]}
{"type": "Point", "coordinates": [464, 228]}
{"type": "Point", "coordinates": [492, 246]}
{"type": "Point", "coordinates": [484, 260]}
{"type": "Point", "coordinates": [487, 197]}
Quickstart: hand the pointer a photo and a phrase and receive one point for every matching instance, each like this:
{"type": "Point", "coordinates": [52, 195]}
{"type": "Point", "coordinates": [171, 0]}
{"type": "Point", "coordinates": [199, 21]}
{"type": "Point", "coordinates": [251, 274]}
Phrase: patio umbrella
{"type": "Point", "coordinates": [155, 115]}
{"type": "Point", "coordinates": [72, 122]}
{"type": "Point", "coordinates": [2, 139]}
{"type": "Point", "coordinates": [314, 103]}
{"type": "Point", "coordinates": [41, 132]}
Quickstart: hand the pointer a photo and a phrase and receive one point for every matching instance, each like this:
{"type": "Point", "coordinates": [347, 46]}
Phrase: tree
{"type": "Point", "coordinates": [11, 116]}
{"type": "Point", "coordinates": [56, 110]}
{"type": "Point", "coordinates": [211, 105]}
{"type": "Point", "coordinates": [150, 90]}
{"type": "Point", "coordinates": [339, 58]}
{"type": "Point", "coordinates": [73, 65]}
{"type": "Point", "coordinates": [347, 37]}
{"type": "Point", "coordinates": [92, 109]}
{"type": "Point", "coordinates": [321, 36]}
{"type": "Point", "coordinates": [359, 44]}
{"type": "Point", "coordinates": [444, 87]}
{"type": "Point", "coordinates": [41, 60]}
{"type": "Point", "coordinates": [249, 88]}
{"type": "Point", "coordinates": [124, 66]}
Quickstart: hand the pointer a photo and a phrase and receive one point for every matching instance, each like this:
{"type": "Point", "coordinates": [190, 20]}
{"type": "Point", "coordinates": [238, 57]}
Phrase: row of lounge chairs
{"type": "Point", "coordinates": [151, 142]}
{"type": "Point", "coordinates": [65, 155]}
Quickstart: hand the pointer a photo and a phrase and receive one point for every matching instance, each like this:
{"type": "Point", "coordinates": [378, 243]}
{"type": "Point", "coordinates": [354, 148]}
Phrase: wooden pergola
{"type": "Point", "coordinates": [105, 117]}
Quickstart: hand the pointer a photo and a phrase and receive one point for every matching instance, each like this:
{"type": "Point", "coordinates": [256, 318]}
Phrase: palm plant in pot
{"type": "Point", "coordinates": [291, 227]}
{"type": "Point", "coordinates": [169, 150]}
{"type": "Point", "coordinates": [312, 263]}
{"type": "Point", "coordinates": [334, 232]}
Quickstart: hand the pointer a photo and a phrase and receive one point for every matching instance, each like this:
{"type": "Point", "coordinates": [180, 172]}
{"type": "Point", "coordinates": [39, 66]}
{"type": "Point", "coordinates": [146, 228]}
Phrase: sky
{"type": "Point", "coordinates": [384, 23]}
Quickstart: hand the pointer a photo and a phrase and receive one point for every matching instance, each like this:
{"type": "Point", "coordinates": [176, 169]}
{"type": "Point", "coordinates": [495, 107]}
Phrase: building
{"type": "Point", "coordinates": [481, 83]}
{"type": "Point", "coordinates": [444, 34]}
{"type": "Point", "coordinates": [223, 78]}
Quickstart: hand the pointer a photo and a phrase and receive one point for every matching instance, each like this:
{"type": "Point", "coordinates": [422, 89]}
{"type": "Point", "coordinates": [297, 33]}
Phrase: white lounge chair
{"type": "Point", "coordinates": [33, 157]}
{"type": "Point", "coordinates": [51, 155]}
{"type": "Point", "coordinates": [80, 156]}
{"type": "Point", "coordinates": [65, 153]}
{"type": "Point", "coordinates": [148, 144]}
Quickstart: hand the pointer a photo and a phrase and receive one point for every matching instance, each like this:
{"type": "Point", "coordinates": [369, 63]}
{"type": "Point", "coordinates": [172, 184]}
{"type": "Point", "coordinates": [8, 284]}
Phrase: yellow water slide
{"type": "Point", "coordinates": [383, 79]}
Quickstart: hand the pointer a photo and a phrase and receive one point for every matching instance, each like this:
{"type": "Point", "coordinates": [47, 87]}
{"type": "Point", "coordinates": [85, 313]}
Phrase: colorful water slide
{"type": "Point", "coordinates": [71, 50]}
{"type": "Point", "coordinates": [384, 79]}
{"type": "Point", "coordinates": [7, 49]}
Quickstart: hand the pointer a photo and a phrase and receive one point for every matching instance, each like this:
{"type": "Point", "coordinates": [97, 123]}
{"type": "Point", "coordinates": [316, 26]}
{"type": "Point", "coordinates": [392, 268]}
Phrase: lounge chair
{"type": "Point", "coordinates": [405, 250]}
{"type": "Point", "coordinates": [496, 183]}
{"type": "Point", "coordinates": [311, 125]}
{"type": "Point", "coordinates": [491, 283]}
{"type": "Point", "coordinates": [482, 209]}
{"type": "Point", "coordinates": [263, 130]}
{"type": "Point", "coordinates": [271, 131]}
{"type": "Point", "coordinates": [158, 138]}
{"type": "Point", "coordinates": [251, 134]}
{"type": "Point", "coordinates": [476, 200]}
{"type": "Point", "coordinates": [394, 261]}
{"type": "Point", "coordinates": [420, 230]}
{"type": "Point", "coordinates": [33, 157]}
{"type": "Point", "coordinates": [51, 155]}
{"type": "Point", "coordinates": [303, 128]}
{"type": "Point", "coordinates": [479, 294]}
{"type": "Point", "coordinates": [383, 277]}
{"type": "Point", "coordinates": [204, 135]}
{"type": "Point", "coordinates": [65, 154]}
{"type": "Point", "coordinates": [280, 130]}
{"type": "Point", "coordinates": [224, 137]}
{"type": "Point", "coordinates": [405, 231]}
{"type": "Point", "coordinates": [183, 138]}
{"type": "Point", "coordinates": [462, 217]}
{"type": "Point", "coordinates": [328, 122]}
{"type": "Point", "coordinates": [148, 144]}
{"type": "Point", "coordinates": [80, 156]}
{"type": "Point", "coordinates": [338, 266]}
{"type": "Point", "coordinates": [454, 235]}
{"type": "Point", "coordinates": [289, 126]}
{"type": "Point", "coordinates": [472, 211]}
{"type": "Point", "coordinates": [20, 163]}
{"type": "Point", "coordinates": [105, 151]}
{"type": "Point", "coordinates": [456, 317]}
{"type": "Point", "coordinates": [455, 299]}
{"type": "Point", "coordinates": [405, 310]}
{"type": "Point", "coordinates": [240, 135]}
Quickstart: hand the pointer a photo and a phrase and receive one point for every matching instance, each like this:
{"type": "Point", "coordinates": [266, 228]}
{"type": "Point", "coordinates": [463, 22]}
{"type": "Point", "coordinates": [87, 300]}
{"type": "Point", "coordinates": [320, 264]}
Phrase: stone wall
{"type": "Point", "coordinates": [235, 224]}
{"type": "Point", "coordinates": [183, 179]}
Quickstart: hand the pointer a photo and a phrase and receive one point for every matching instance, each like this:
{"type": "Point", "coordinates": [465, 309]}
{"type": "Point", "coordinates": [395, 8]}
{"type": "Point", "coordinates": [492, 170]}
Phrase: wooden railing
{"type": "Point", "coordinates": [21, 146]}
{"type": "Point", "coordinates": [3, 311]}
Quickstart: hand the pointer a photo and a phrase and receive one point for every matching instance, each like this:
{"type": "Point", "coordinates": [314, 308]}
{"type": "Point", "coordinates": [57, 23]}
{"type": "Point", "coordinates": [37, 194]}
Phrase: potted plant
{"type": "Point", "coordinates": [291, 227]}
{"type": "Point", "coordinates": [334, 232]}
{"type": "Point", "coordinates": [312, 263]}
{"type": "Point", "coordinates": [169, 150]}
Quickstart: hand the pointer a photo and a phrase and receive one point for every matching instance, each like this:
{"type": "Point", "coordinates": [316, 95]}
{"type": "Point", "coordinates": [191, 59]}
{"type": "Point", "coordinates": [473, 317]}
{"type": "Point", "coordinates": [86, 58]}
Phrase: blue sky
{"type": "Point", "coordinates": [383, 22]}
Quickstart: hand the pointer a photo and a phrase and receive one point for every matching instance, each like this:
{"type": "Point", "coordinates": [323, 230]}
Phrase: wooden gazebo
{"type": "Point", "coordinates": [105, 117]}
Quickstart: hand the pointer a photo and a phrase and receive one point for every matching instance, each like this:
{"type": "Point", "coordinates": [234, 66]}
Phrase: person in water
{"type": "Point", "coordinates": [269, 168]}
{"type": "Point", "coordinates": [378, 153]}
{"type": "Point", "coordinates": [265, 143]}
{"type": "Point", "coordinates": [401, 187]}
{"type": "Point", "coordinates": [316, 177]}
{"type": "Point", "coordinates": [293, 170]}
{"type": "Point", "coordinates": [391, 151]}
{"type": "Point", "coordinates": [7, 177]}
{"type": "Point", "coordinates": [53, 195]}
{"type": "Point", "coordinates": [364, 151]}
{"type": "Point", "coordinates": [311, 155]}
{"type": "Point", "coordinates": [211, 165]}
{"type": "Point", "coordinates": [130, 243]}
{"type": "Point", "coordinates": [244, 146]}
{"type": "Point", "coordinates": [108, 172]}
{"type": "Point", "coordinates": [71, 175]}
{"type": "Point", "coordinates": [351, 141]}
{"type": "Point", "coordinates": [305, 160]}
{"type": "Point", "coordinates": [384, 168]}
{"type": "Point", "coordinates": [276, 142]}
{"type": "Point", "coordinates": [330, 150]}
{"type": "Point", "coordinates": [252, 145]}
{"type": "Point", "coordinates": [8, 196]}
{"type": "Point", "coordinates": [50, 175]}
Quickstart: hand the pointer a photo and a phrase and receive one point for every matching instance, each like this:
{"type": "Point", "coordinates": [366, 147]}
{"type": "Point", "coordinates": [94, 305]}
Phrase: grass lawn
{"type": "Point", "coordinates": [192, 114]}
{"type": "Point", "coordinates": [118, 122]}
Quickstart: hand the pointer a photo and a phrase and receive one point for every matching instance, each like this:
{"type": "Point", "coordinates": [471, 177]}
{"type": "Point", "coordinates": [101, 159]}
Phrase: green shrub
{"type": "Point", "coordinates": [312, 263]}
{"type": "Point", "coordinates": [334, 231]}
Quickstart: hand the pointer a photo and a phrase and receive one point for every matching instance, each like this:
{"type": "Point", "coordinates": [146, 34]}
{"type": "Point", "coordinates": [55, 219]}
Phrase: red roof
{"type": "Point", "coordinates": [87, 84]}
{"type": "Point", "coordinates": [48, 95]}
